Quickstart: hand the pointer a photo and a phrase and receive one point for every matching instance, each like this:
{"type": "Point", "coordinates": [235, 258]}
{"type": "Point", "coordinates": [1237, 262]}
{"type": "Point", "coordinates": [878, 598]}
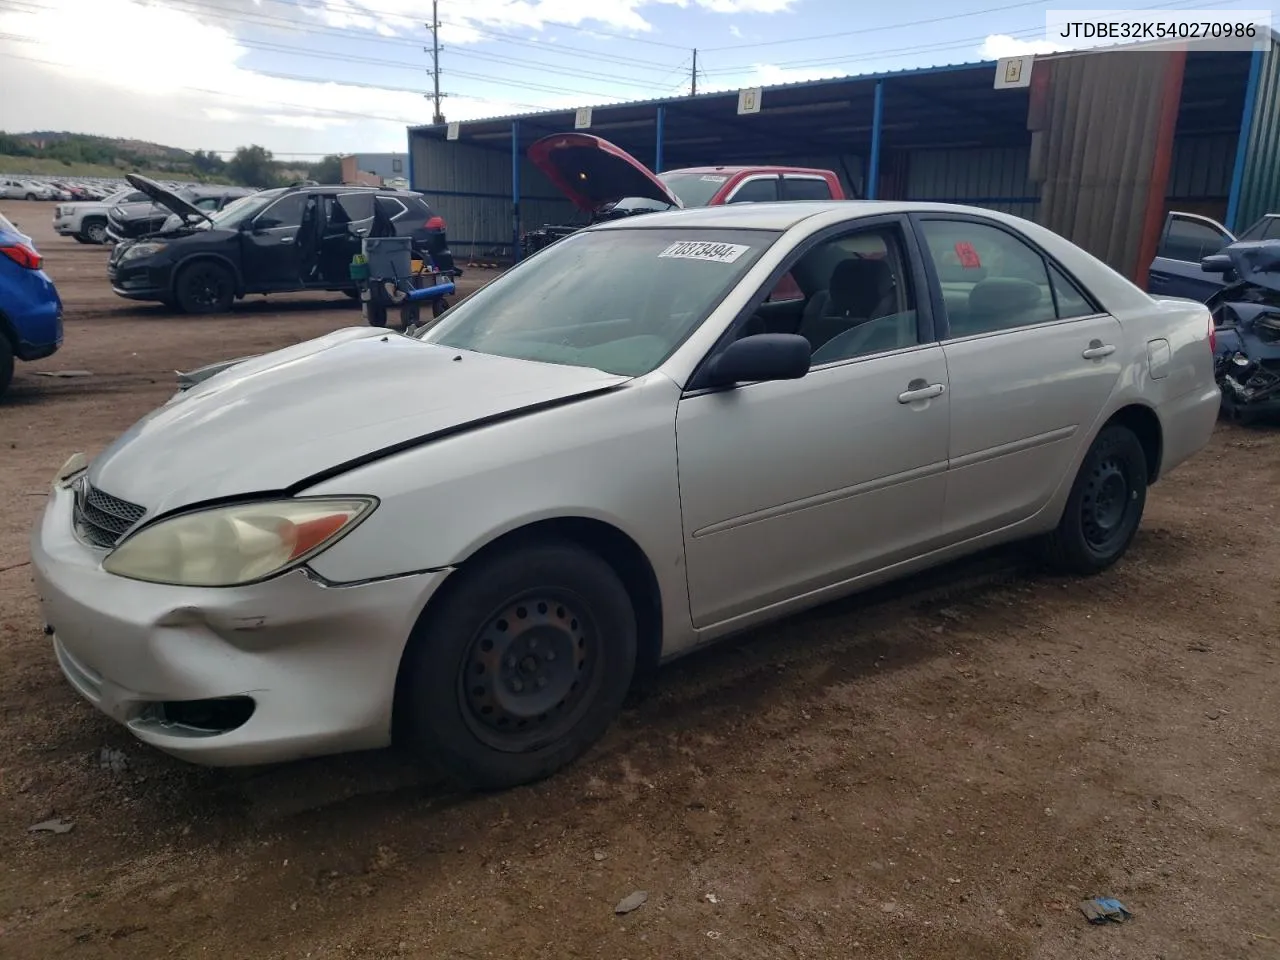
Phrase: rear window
{"type": "Point", "coordinates": [806, 188]}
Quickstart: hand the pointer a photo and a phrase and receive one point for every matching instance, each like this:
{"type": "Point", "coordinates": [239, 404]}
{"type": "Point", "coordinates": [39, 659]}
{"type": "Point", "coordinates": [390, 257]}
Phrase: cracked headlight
{"type": "Point", "coordinates": [238, 544]}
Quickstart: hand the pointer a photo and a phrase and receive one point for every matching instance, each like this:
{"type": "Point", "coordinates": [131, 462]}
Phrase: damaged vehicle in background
{"type": "Point", "coordinates": [281, 240]}
{"type": "Point", "coordinates": [1246, 316]}
{"type": "Point", "coordinates": [607, 183]}
{"type": "Point", "coordinates": [132, 219]}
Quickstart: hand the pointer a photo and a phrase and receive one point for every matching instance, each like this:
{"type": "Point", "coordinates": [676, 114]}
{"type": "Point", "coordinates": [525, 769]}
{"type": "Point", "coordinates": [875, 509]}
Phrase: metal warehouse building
{"type": "Point", "coordinates": [1098, 147]}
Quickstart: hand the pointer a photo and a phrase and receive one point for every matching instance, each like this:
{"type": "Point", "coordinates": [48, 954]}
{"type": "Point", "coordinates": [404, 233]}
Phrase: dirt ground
{"type": "Point", "coordinates": [940, 770]}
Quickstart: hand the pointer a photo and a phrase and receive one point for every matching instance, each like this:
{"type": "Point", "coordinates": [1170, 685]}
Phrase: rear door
{"type": "Point", "coordinates": [1187, 239]}
{"type": "Point", "coordinates": [348, 219]}
{"type": "Point", "coordinates": [1032, 359]}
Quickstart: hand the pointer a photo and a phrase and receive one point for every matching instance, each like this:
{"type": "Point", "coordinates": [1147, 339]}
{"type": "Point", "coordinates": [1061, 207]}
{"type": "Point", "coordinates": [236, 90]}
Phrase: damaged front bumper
{"type": "Point", "coordinates": [1249, 383]}
{"type": "Point", "coordinates": [274, 671]}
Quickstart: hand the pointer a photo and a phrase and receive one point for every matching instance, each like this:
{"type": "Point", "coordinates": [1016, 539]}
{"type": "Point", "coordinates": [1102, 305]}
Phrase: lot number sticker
{"type": "Point", "coordinates": [969, 258]}
{"type": "Point", "coordinates": [705, 250]}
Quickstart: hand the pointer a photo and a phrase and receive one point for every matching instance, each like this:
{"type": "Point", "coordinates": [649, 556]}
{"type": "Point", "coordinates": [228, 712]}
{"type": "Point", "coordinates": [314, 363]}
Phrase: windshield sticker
{"type": "Point", "coordinates": [969, 258]}
{"type": "Point", "coordinates": [711, 179]}
{"type": "Point", "coordinates": [705, 250]}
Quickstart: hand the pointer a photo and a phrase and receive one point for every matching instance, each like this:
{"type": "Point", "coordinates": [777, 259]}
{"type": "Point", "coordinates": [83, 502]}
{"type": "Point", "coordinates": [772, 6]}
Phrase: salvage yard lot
{"type": "Point", "coordinates": [939, 770]}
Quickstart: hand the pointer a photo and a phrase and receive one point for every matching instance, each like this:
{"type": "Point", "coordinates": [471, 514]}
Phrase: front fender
{"type": "Point", "coordinates": [610, 458]}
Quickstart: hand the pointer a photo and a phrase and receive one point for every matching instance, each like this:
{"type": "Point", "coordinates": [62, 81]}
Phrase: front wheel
{"type": "Point", "coordinates": [1105, 505]}
{"type": "Point", "coordinates": [205, 287]}
{"type": "Point", "coordinates": [94, 231]}
{"type": "Point", "coordinates": [521, 668]}
{"type": "Point", "coordinates": [30, 196]}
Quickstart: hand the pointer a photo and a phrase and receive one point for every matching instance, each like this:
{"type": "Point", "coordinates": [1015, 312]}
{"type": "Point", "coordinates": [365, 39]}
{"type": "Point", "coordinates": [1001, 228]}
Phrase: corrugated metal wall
{"type": "Point", "coordinates": [1096, 123]}
{"type": "Point", "coordinates": [995, 178]}
{"type": "Point", "coordinates": [470, 187]}
{"type": "Point", "coordinates": [1260, 184]}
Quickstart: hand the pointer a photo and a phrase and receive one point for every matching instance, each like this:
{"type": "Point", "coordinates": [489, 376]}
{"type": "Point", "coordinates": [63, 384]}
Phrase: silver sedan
{"type": "Point", "coordinates": [652, 434]}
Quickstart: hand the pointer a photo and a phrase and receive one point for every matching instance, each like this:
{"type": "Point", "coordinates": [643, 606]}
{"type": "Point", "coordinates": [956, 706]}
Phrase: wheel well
{"type": "Point", "coordinates": [616, 549]}
{"type": "Point", "coordinates": [1146, 427]}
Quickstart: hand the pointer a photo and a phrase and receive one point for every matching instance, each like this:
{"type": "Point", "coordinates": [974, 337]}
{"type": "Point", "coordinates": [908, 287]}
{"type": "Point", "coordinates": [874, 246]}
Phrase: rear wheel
{"type": "Point", "coordinates": [6, 364]}
{"type": "Point", "coordinates": [94, 231]}
{"type": "Point", "coordinates": [205, 287]}
{"type": "Point", "coordinates": [521, 668]}
{"type": "Point", "coordinates": [1105, 505]}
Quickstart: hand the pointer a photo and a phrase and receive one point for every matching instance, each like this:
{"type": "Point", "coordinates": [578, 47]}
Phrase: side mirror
{"type": "Point", "coordinates": [1217, 263]}
{"type": "Point", "coordinates": [763, 356]}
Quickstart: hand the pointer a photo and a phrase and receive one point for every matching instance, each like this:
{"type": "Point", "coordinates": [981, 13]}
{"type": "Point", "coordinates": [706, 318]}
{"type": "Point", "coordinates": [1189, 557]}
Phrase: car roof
{"type": "Point", "coordinates": [783, 215]}
{"type": "Point", "coordinates": [751, 168]}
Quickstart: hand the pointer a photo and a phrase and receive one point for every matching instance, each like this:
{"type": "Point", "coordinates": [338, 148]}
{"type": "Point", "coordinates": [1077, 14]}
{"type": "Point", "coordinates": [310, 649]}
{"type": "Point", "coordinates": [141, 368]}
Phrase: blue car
{"type": "Point", "coordinates": [30, 308]}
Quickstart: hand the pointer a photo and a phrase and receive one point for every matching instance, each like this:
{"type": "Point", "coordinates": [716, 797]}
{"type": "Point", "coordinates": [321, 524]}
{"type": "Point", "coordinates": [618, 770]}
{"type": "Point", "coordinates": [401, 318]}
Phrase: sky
{"type": "Point", "coordinates": [310, 77]}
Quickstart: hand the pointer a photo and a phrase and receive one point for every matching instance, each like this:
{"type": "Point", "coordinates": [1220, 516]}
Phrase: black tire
{"type": "Point", "coordinates": [93, 231]}
{"type": "Point", "coordinates": [352, 293]}
{"type": "Point", "coordinates": [1105, 506]}
{"type": "Point", "coordinates": [439, 306]}
{"type": "Point", "coordinates": [30, 196]}
{"type": "Point", "coordinates": [477, 699]}
{"type": "Point", "coordinates": [205, 287]}
{"type": "Point", "coordinates": [6, 364]}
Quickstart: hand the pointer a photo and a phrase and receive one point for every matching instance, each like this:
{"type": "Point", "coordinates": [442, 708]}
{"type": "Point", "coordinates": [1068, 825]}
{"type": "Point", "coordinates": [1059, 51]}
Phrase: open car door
{"type": "Point", "coordinates": [347, 218]}
{"type": "Point", "coordinates": [1187, 239]}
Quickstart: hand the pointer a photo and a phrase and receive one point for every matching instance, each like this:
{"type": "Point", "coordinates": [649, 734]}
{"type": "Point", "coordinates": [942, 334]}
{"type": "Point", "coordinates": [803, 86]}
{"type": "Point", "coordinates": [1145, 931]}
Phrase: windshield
{"type": "Point", "coordinates": [244, 208]}
{"type": "Point", "coordinates": [619, 301]}
{"type": "Point", "coordinates": [694, 189]}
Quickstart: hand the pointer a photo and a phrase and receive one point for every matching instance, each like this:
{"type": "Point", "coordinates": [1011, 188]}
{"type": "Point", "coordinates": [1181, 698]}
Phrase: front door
{"type": "Point", "coordinates": [788, 487]}
{"type": "Point", "coordinates": [1032, 360]}
{"type": "Point", "coordinates": [274, 245]}
{"type": "Point", "coordinates": [1187, 239]}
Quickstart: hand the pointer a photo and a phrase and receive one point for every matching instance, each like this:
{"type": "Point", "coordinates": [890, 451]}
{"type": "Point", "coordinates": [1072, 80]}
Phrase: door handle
{"type": "Point", "coordinates": [1097, 350]}
{"type": "Point", "coordinates": [286, 239]}
{"type": "Point", "coordinates": [915, 393]}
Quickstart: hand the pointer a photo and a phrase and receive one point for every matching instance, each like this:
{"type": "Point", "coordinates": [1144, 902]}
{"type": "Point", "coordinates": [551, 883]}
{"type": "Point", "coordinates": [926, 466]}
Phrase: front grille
{"type": "Point", "coordinates": [102, 519]}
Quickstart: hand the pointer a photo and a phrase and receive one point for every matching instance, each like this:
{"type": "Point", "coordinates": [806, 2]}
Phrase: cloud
{"type": "Point", "coordinates": [734, 31]}
{"type": "Point", "coordinates": [193, 74]}
{"type": "Point", "coordinates": [1000, 45]}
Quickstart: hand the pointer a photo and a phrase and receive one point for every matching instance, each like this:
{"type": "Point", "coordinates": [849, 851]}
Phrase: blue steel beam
{"type": "Point", "coordinates": [873, 165]}
{"type": "Point", "coordinates": [1242, 145]}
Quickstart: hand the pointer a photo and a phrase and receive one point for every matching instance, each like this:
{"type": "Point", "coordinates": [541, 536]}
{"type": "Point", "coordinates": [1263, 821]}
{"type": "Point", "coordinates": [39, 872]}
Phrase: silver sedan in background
{"type": "Point", "coordinates": [471, 539]}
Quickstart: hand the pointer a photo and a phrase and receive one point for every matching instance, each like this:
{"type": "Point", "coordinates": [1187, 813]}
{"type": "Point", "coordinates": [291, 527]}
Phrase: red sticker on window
{"type": "Point", "coordinates": [968, 256]}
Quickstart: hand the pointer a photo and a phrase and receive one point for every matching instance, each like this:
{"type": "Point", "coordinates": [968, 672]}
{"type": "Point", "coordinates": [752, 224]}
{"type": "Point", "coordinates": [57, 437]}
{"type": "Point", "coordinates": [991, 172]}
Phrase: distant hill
{"type": "Point", "coordinates": [54, 152]}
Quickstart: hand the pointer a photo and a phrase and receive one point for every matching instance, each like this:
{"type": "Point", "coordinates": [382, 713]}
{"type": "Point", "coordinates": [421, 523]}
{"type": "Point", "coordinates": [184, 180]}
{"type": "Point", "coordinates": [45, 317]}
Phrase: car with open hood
{"type": "Point", "coordinates": [1186, 240]}
{"type": "Point", "coordinates": [273, 241]}
{"type": "Point", "coordinates": [605, 182]}
{"type": "Point", "coordinates": [131, 219]}
{"type": "Point", "coordinates": [561, 485]}
{"type": "Point", "coordinates": [1246, 314]}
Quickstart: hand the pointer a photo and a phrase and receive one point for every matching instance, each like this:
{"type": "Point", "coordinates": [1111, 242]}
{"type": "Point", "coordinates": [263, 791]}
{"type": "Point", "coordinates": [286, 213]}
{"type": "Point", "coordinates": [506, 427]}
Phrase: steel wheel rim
{"type": "Point", "coordinates": [1107, 503]}
{"type": "Point", "coordinates": [529, 671]}
{"type": "Point", "coordinates": [97, 233]}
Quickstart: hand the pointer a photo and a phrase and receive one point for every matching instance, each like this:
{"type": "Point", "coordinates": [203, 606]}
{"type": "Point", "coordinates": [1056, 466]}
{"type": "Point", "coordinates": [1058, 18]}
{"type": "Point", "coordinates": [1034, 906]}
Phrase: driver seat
{"type": "Point", "coordinates": [860, 290]}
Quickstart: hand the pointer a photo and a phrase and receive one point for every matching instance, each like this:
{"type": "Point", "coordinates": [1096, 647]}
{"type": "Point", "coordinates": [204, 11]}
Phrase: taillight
{"type": "Point", "coordinates": [22, 255]}
{"type": "Point", "coordinates": [436, 223]}
{"type": "Point", "coordinates": [1213, 337]}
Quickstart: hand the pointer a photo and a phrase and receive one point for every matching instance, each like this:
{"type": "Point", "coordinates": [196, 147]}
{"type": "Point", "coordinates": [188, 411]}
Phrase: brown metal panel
{"type": "Point", "coordinates": [1095, 124]}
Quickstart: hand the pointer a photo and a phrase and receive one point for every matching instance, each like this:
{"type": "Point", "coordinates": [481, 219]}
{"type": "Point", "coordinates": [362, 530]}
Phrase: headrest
{"type": "Point", "coordinates": [1003, 295]}
{"type": "Point", "coordinates": [857, 286]}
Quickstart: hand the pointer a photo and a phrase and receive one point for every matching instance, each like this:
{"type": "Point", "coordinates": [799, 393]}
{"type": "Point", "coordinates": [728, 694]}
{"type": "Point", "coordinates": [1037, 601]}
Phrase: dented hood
{"type": "Point", "coordinates": [592, 172]}
{"type": "Point", "coordinates": [273, 422]}
{"type": "Point", "coordinates": [1257, 262]}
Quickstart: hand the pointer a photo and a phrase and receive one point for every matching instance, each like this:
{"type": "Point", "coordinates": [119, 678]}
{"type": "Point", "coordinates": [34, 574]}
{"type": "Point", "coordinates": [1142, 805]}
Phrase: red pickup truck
{"type": "Point", "coordinates": [604, 182]}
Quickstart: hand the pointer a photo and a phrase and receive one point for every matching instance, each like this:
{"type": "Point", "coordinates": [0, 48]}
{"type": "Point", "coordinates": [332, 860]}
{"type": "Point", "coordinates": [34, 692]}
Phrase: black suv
{"type": "Point", "coordinates": [274, 241]}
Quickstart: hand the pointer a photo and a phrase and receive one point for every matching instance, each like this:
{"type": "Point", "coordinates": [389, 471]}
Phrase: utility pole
{"type": "Point", "coordinates": [693, 85]}
{"type": "Point", "coordinates": [434, 27]}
